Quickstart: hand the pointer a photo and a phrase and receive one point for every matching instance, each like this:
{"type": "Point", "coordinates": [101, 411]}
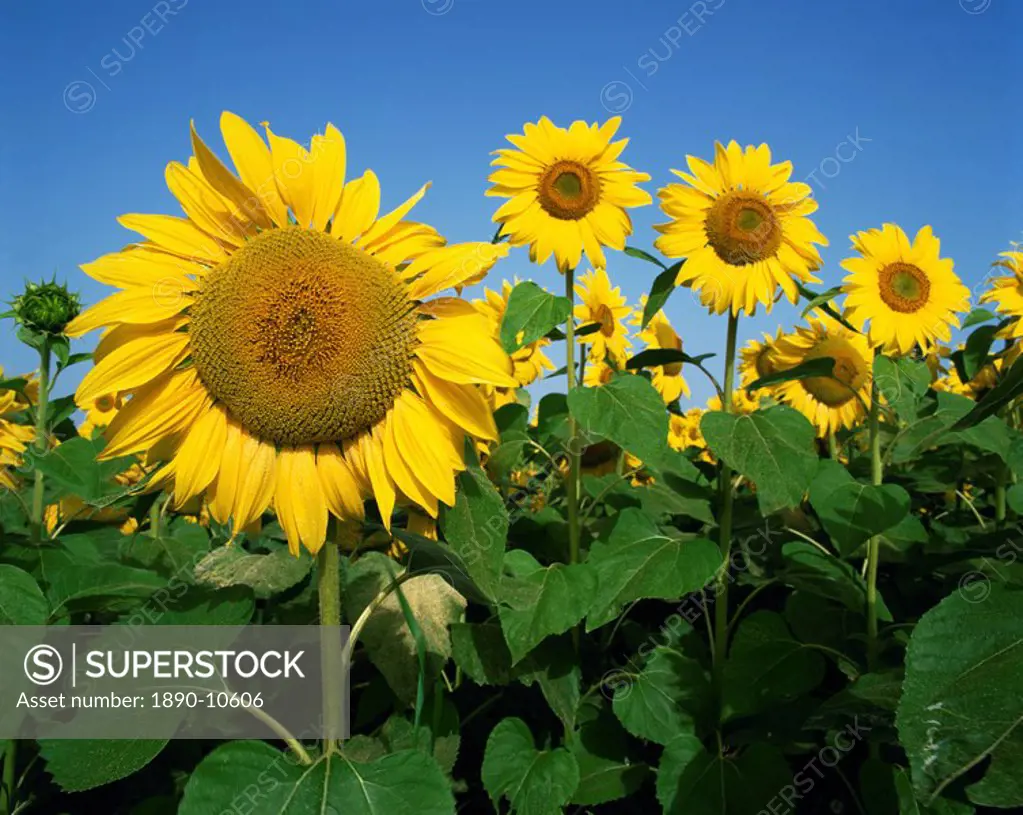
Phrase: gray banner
{"type": "Point", "coordinates": [162, 682]}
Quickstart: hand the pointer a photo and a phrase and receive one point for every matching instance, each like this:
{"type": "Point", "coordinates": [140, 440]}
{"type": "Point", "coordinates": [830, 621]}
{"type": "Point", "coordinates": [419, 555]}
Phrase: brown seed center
{"type": "Point", "coordinates": [568, 190]}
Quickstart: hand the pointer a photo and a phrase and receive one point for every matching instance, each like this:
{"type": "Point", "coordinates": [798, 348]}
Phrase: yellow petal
{"type": "Point", "coordinates": [256, 482]}
{"type": "Point", "coordinates": [387, 222]}
{"type": "Point", "coordinates": [293, 172]}
{"type": "Point", "coordinates": [360, 203]}
{"type": "Point", "coordinates": [205, 208]}
{"type": "Point", "coordinates": [139, 267]}
{"type": "Point", "coordinates": [251, 158]}
{"type": "Point", "coordinates": [403, 476]}
{"type": "Point", "coordinates": [225, 486]}
{"type": "Point", "coordinates": [443, 346]}
{"type": "Point", "coordinates": [329, 155]}
{"type": "Point", "coordinates": [177, 235]}
{"type": "Point", "coordinates": [298, 499]}
{"type": "Point", "coordinates": [136, 305]}
{"type": "Point", "coordinates": [462, 404]}
{"type": "Point", "coordinates": [165, 406]}
{"type": "Point", "coordinates": [421, 443]}
{"type": "Point", "coordinates": [198, 459]}
{"type": "Point", "coordinates": [451, 266]}
{"type": "Point", "coordinates": [133, 364]}
{"type": "Point", "coordinates": [371, 451]}
{"type": "Point", "coordinates": [243, 205]}
{"type": "Point", "coordinates": [340, 486]}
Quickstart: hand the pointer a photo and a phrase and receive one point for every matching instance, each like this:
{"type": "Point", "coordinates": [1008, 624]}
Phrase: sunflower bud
{"type": "Point", "coordinates": [46, 307]}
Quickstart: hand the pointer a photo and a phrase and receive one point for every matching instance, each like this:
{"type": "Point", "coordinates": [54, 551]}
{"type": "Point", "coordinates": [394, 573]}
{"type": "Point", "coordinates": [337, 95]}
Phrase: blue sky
{"type": "Point", "coordinates": [901, 111]}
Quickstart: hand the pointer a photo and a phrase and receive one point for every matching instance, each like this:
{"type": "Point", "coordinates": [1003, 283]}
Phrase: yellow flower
{"type": "Point", "coordinates": [742, 401]}
{"type": "Point", "coordinates": [907, 293]}
{"type": "Point", "coordinates": [99, 413]}
{"type": "Point", "coordinates": [606, 306]}
{"type": "Point", "coordinates": [597, 373]}
{"type": "Point", "coordinates": [279, 343]}
{"type": "Point", "coordinates": [568, 191]}
{"type": "Point", "coordinates": [1007, 293]}
{"type": "Point", "coordinates": [757, 359]}
{"type": "Point", "coordinates": [742, 227]}
{"type": "Point", "coordinates": [667, 379]}
{"type": "Point", "coordinates": [684, 432]}
{"type": "Point", "coordinates": [14, 438]}
{"type": "Point", "coordinates": [530, 361]}
{"type": "Point", "coordinates": [830, 403]}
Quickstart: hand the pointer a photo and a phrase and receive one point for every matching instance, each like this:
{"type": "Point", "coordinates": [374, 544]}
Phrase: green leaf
{"type": "Point", "coordinates": [1008, 388]}
{"type": "Point", "coordinates": [822, 299]}
{"type": "Point", "coordinates": [962, 698]}
{"type": "Point", "coordinates": [480, 650]}
{"type": "Point", "coordinates": [774, 448]}
{"type": "Point", "coordinates": [266, 575]}
{"type": "Point", "coordinates": [530, 314]}
{"type": "Point", "coordinates": [404, 783]}
{"type": "Point", "coordinates": [73, 466]}
{"type": "Point", "coordinates": [660, 291]}
{"type": "Point", "coordinates": [633, 252]}
{"type": "Point", "coordinates": [692, 781]}
{"type": "Point", "coordinates": [851, 511]}
{"type": "Point", "coordinates": [628, 411]}
{"type": "Point", "coordinates": [82, 764]}
{"type": "Point", "coordinates": [554, 667]}
{"type": "Point", "coordinates": [977, 349]}
{"type": "Point", "coordinates": [108, 586]}
{"type": "Point", "coordinates": [535, 782]}
{"type": "Point", "coordinates": [639, 561]}
{"type": "Point", "coordinates": [811, 570]}
{"type": "Point", "coordinates": [767, 666]}
{"type": "Point", "coordinates": [811, 369]}
{"type": "Point", "coordinates": [978, 316]}
{"type": "Point", "coordinates": [606, 770]}
{"type": "Point", "coordinates": [476, 527]}
{"type": "Point", "coordinates": [671, 695]}
{"type": "Point", "coordinates": [653, 357]}
{"type": "Point", "coordinates": [902, 383]}
{"type": "Point", "coordinates": [537, 602]}
{"type": "Point", "coordinates": [180, 546]}
{"type": "Point", "coordinates": [21, 600]}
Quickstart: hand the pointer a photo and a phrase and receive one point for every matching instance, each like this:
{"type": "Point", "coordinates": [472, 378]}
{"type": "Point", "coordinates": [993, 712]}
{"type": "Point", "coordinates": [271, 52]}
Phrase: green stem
{"type": "Point", "coordinates": [10, 759]}
{"type": "Point", "coordinates": [1001, 478]}
{"type": "Point", "coordinates": [38, 508]}
{"type": "Point", "coordinates": [832, 446]}
{"type": "Point", "coordinates": [725, 527]}
{"type": "Point", "coordinates": [332, 668]}
{"type": "Point", "coordinates": [874, 545]}
{"type": "Point", "coordinates": [572, 485]}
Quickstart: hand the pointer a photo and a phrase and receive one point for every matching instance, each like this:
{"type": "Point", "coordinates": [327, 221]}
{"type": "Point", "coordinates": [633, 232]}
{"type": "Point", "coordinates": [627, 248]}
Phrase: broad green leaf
{"type": "Point", "coordinates": [962, 699]}
{"type": "Point", "coordinates": [73, 466]}
{"type": "Point", "coordinates": [639, 561]}
{"type": "Point", "coordinates": [266, 575]}
{"type": "Point", "coordinates": [902, 383]}
{"type": "Point", "coordinates": [978, 316]}
{"type": "Point", "coordinates": [82, 764]}
{"type": "Point", "coordinates": [671, 695]}
{"type": "Point", "coordinates": [109, 586]}
{"type": "Point", "coordinates": [767, 666]}
{"type": "Point", "coordinates": [774, 448]}
{"type": "Point", "coordinates": [977, 350]}
{"type": "Point", "coordinates": [537, 602]}
{"type": "Point", "coordinates": [1008, 388]}
{"type": "Point", "coordinates": [809, 569]}
{"type": "Point", "coordinates": [21, 600]}
{"type": "Point", "coordinates": [660, 291]}
{"type": "Point", "coordinates": [177, 550]}
{"type": "Point", "coordinates": [476, 527]}
{"type": "Point", "coordinates": [480, 651]}
{"type": "Point", "coordinates": [692, 781]}
{"type": "Point", "coordinates": [404, 783]}
{"type": "Point", "coordinates": [535, 782]}
{"type": "Point", "coordinates": [628, 411]}
{"type": "Point", "coordinates": [197, 606]}
{"type": "Point", "coordinates": [554, 667]}
{"type": "Point", "coordinates": [811, 369]}
{"type": "Point", "coordinates": [606, 770]}
{"type": "Point", "coordinates": [530, 314]}
{"type": "Point", "coordinates": [441, 739]}
{"type": "Point", "coordinates": [851, 511]}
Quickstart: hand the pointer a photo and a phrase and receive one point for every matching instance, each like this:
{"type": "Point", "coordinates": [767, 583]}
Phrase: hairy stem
{"type": "Point", "coordinates": [38, 509]}
{"type": "Point", "coordinates": [332, 667]}
{"type": "Point", "coordinates": [572, 484]}
{"type": "Point", "coordinates": [874, 545]}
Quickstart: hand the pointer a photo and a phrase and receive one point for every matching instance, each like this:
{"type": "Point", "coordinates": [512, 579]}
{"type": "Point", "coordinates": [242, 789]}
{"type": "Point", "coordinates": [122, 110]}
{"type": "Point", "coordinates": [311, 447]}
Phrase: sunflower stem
{"type": "Point", "coordinates": [7, 792]}
{"type": "Point", "coordinates": [874, 545]}
{"type": "Point", "coordinates": [331, 657]}
{"type": "Point", "coordinates": [725, 526]}
{"type": "Point", "coordinates": [38, 508]}
{"type": "Point", "coordinates": [832, 445]}
{"type": "Point", "coordinates": [572, 485]}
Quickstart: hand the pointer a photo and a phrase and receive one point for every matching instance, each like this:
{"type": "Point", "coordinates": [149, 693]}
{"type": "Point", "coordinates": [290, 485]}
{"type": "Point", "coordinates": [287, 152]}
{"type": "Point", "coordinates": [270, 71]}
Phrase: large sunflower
{"type": "Point", "coordinates": [1007, 293]}
{"type": "Point", "coordinates": [659, 334]}
{"type": "Point", "coordinates": [278, 343]}
{"type": "Point", "coordinates": [834, 402]}
{"type": "Point", "coordinates": [907, 293]}
{"type": "Point", "coordinates": [568, 191]}
{"type": "Point", "coordinates": [742, 227]}
{"type": "Point", "coordinates": [605, 305]}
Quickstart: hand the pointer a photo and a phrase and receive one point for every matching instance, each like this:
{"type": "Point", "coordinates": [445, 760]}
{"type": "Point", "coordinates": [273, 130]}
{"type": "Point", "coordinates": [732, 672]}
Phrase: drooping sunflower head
{"type": "Point", "coordinates": [605, 305]}
{"type": "Point", "coordinates": [1007, 292]}
{"type": "Point", "coordinates": [667, 379]}
{"type": "Point", "coordinates": [742, 227]}
{"type": "Point", "coordinates": [906, 291]}
{"type": "Point", "coordinates": [568, 191]}
{"type": "Point", "coordinates": [530, 361]}
{"type": "Point", "coordinates": [278, 346]}
{"type": "Point", "coordinates": [830, 403]}
{"type": "Point", "coordinates": [758, 359]}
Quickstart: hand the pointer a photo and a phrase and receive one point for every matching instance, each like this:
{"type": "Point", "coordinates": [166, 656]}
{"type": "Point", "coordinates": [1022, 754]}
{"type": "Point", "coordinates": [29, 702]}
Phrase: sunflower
{"type": "Point", "coordinates": [1007, 293]}
{"type": "Point", "coordinates": [598, 373]}
{"type": "Point", "coordinates": [606, 306]}
{"type": "Point", "coordinates": [907, 293]}
{"type": "Point", "coordinates": [278, 342]}
{"type": "Point", "coordinates": [830, 403]}
{"type": "Point", "coordinates": [684, 433]}
{"type": "Point", "coordinates": [742, 227]}
{"type": "Point", "coordinates": [757, 359]}
{"type": "Point", "coordinates": [659, 334]}
{"type": "Point", "coordinates": [568, 191]}
{"type": "Point", "coordinates": [99, 413]}
{"type": "Point", "coordinates": [743, 402]}
{"type": "Point", "coordinates": [14, 438]}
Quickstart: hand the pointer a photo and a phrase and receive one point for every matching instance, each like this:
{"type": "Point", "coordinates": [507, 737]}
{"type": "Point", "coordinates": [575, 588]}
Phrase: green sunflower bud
{"type": "Point", "coordinates": [46, 307]}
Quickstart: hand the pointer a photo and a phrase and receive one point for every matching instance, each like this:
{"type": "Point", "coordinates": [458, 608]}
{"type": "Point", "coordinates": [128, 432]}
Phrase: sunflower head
{"type": "Point", "coordinates": [660, 334]}
{"type": "Point", "coordinates": [758, 359]}
{"type": "Point", "coordinates": [742, 227]}
{"type": "Point", "coordinates": [529, 361]}
{"type": "Point", "coordinates": [46, 307]}
{"type": "Point", "coordinates": [605, 305]}
{"type": "Point", "coordinates": [567, 191]}
{"type": "Point", "coordinates": [1006, 292]}
{"type": "Point", "coordinates": [907, 293]}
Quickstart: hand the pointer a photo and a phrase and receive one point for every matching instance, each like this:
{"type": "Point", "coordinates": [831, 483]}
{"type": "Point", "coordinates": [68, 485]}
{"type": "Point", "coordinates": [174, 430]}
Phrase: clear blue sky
{"type": "Point", "coordinates": [425, 89]}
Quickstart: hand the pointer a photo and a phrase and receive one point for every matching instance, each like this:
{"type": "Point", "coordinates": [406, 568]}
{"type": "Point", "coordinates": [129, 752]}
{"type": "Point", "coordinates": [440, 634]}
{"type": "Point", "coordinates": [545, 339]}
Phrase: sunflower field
{"type": "Point", "coordinates": [569, 587]}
